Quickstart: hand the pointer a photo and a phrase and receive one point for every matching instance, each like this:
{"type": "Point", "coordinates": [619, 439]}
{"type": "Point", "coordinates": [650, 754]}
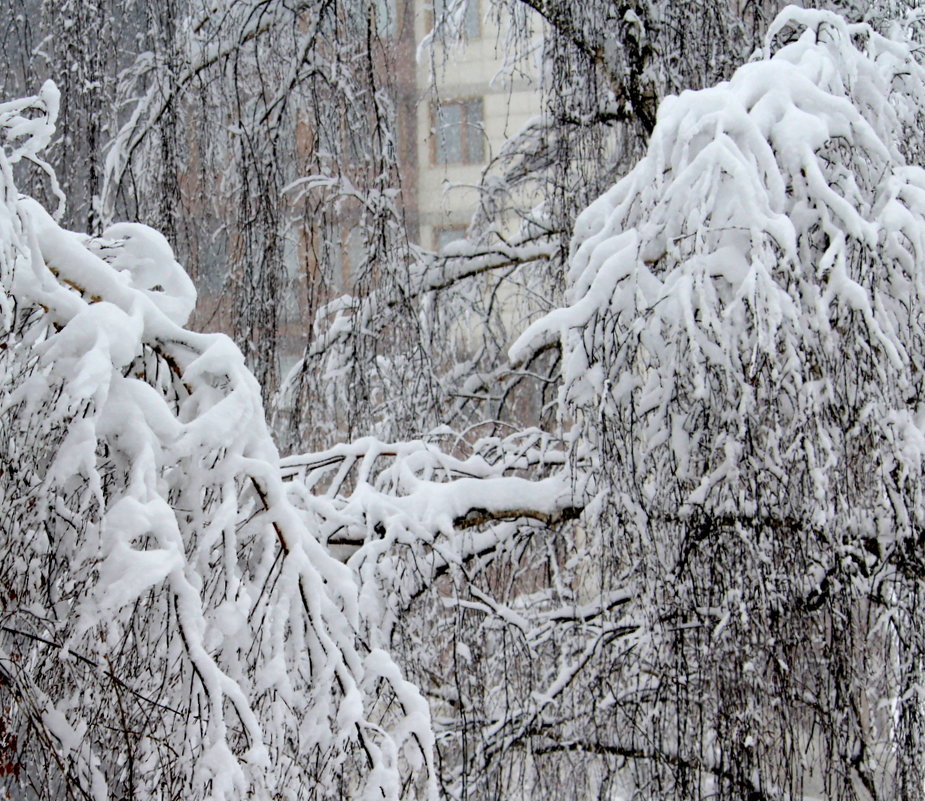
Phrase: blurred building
{"type": "Point", "coordinates": [455, 107]}
{"type": "Point", "coordinates": [464, 118]}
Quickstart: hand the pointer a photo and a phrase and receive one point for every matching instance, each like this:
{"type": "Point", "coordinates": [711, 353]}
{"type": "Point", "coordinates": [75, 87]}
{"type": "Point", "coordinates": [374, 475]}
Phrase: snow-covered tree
{"type": "Point", "coordinates": [274, 125]}
{"type": "Point", "coordinates": [271, 124]}
{"type": "Point", "coordinates": [173, 620]}
{"type": "Point", "coordinates": [743, 357]}
{"type": "Point", "coordinates": [170, 626]}
{"type": "Point", "coordinates": [738, 362]}
{"type": "Point", "coordinates": [736, 614]}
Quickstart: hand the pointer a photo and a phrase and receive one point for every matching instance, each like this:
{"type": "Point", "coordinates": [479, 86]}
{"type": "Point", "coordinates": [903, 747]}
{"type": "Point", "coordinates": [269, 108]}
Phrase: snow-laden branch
{"type": "Point", "coordinates": [370, 494]}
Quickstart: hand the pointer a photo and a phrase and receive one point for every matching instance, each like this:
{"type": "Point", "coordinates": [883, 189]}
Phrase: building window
{"type": "Point", "coordinates": [459, 134]}
{"type": "Point", "coordinates": [460, 15]}
{"type": "Point", "coordinates": [348, 257]}
{"type": "Point", "coordinates": [386, 21]}
{"type": "Point", "coordinates": [446, 236]}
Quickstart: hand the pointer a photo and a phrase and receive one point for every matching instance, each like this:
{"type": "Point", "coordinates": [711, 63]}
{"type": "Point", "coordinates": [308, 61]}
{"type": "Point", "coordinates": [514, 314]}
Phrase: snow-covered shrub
{"type": "Point", "coordinates": [744, 352]}
{"type": "Point", "coordinates": [169, 625]}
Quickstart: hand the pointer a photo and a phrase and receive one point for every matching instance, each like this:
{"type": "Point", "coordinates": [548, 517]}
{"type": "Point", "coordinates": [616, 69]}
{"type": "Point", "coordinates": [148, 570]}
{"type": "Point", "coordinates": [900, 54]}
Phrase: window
{"type": "Point", "coordinates": [446, 236]}
{"type": "Point", "coordinates": [386, 22]}
{"type": "Point", "coordinates": [460, 15]}
{"type": "Point", "coordinates": [348, 257]}
{"type": "Point", "coordinates": [458, 129]}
